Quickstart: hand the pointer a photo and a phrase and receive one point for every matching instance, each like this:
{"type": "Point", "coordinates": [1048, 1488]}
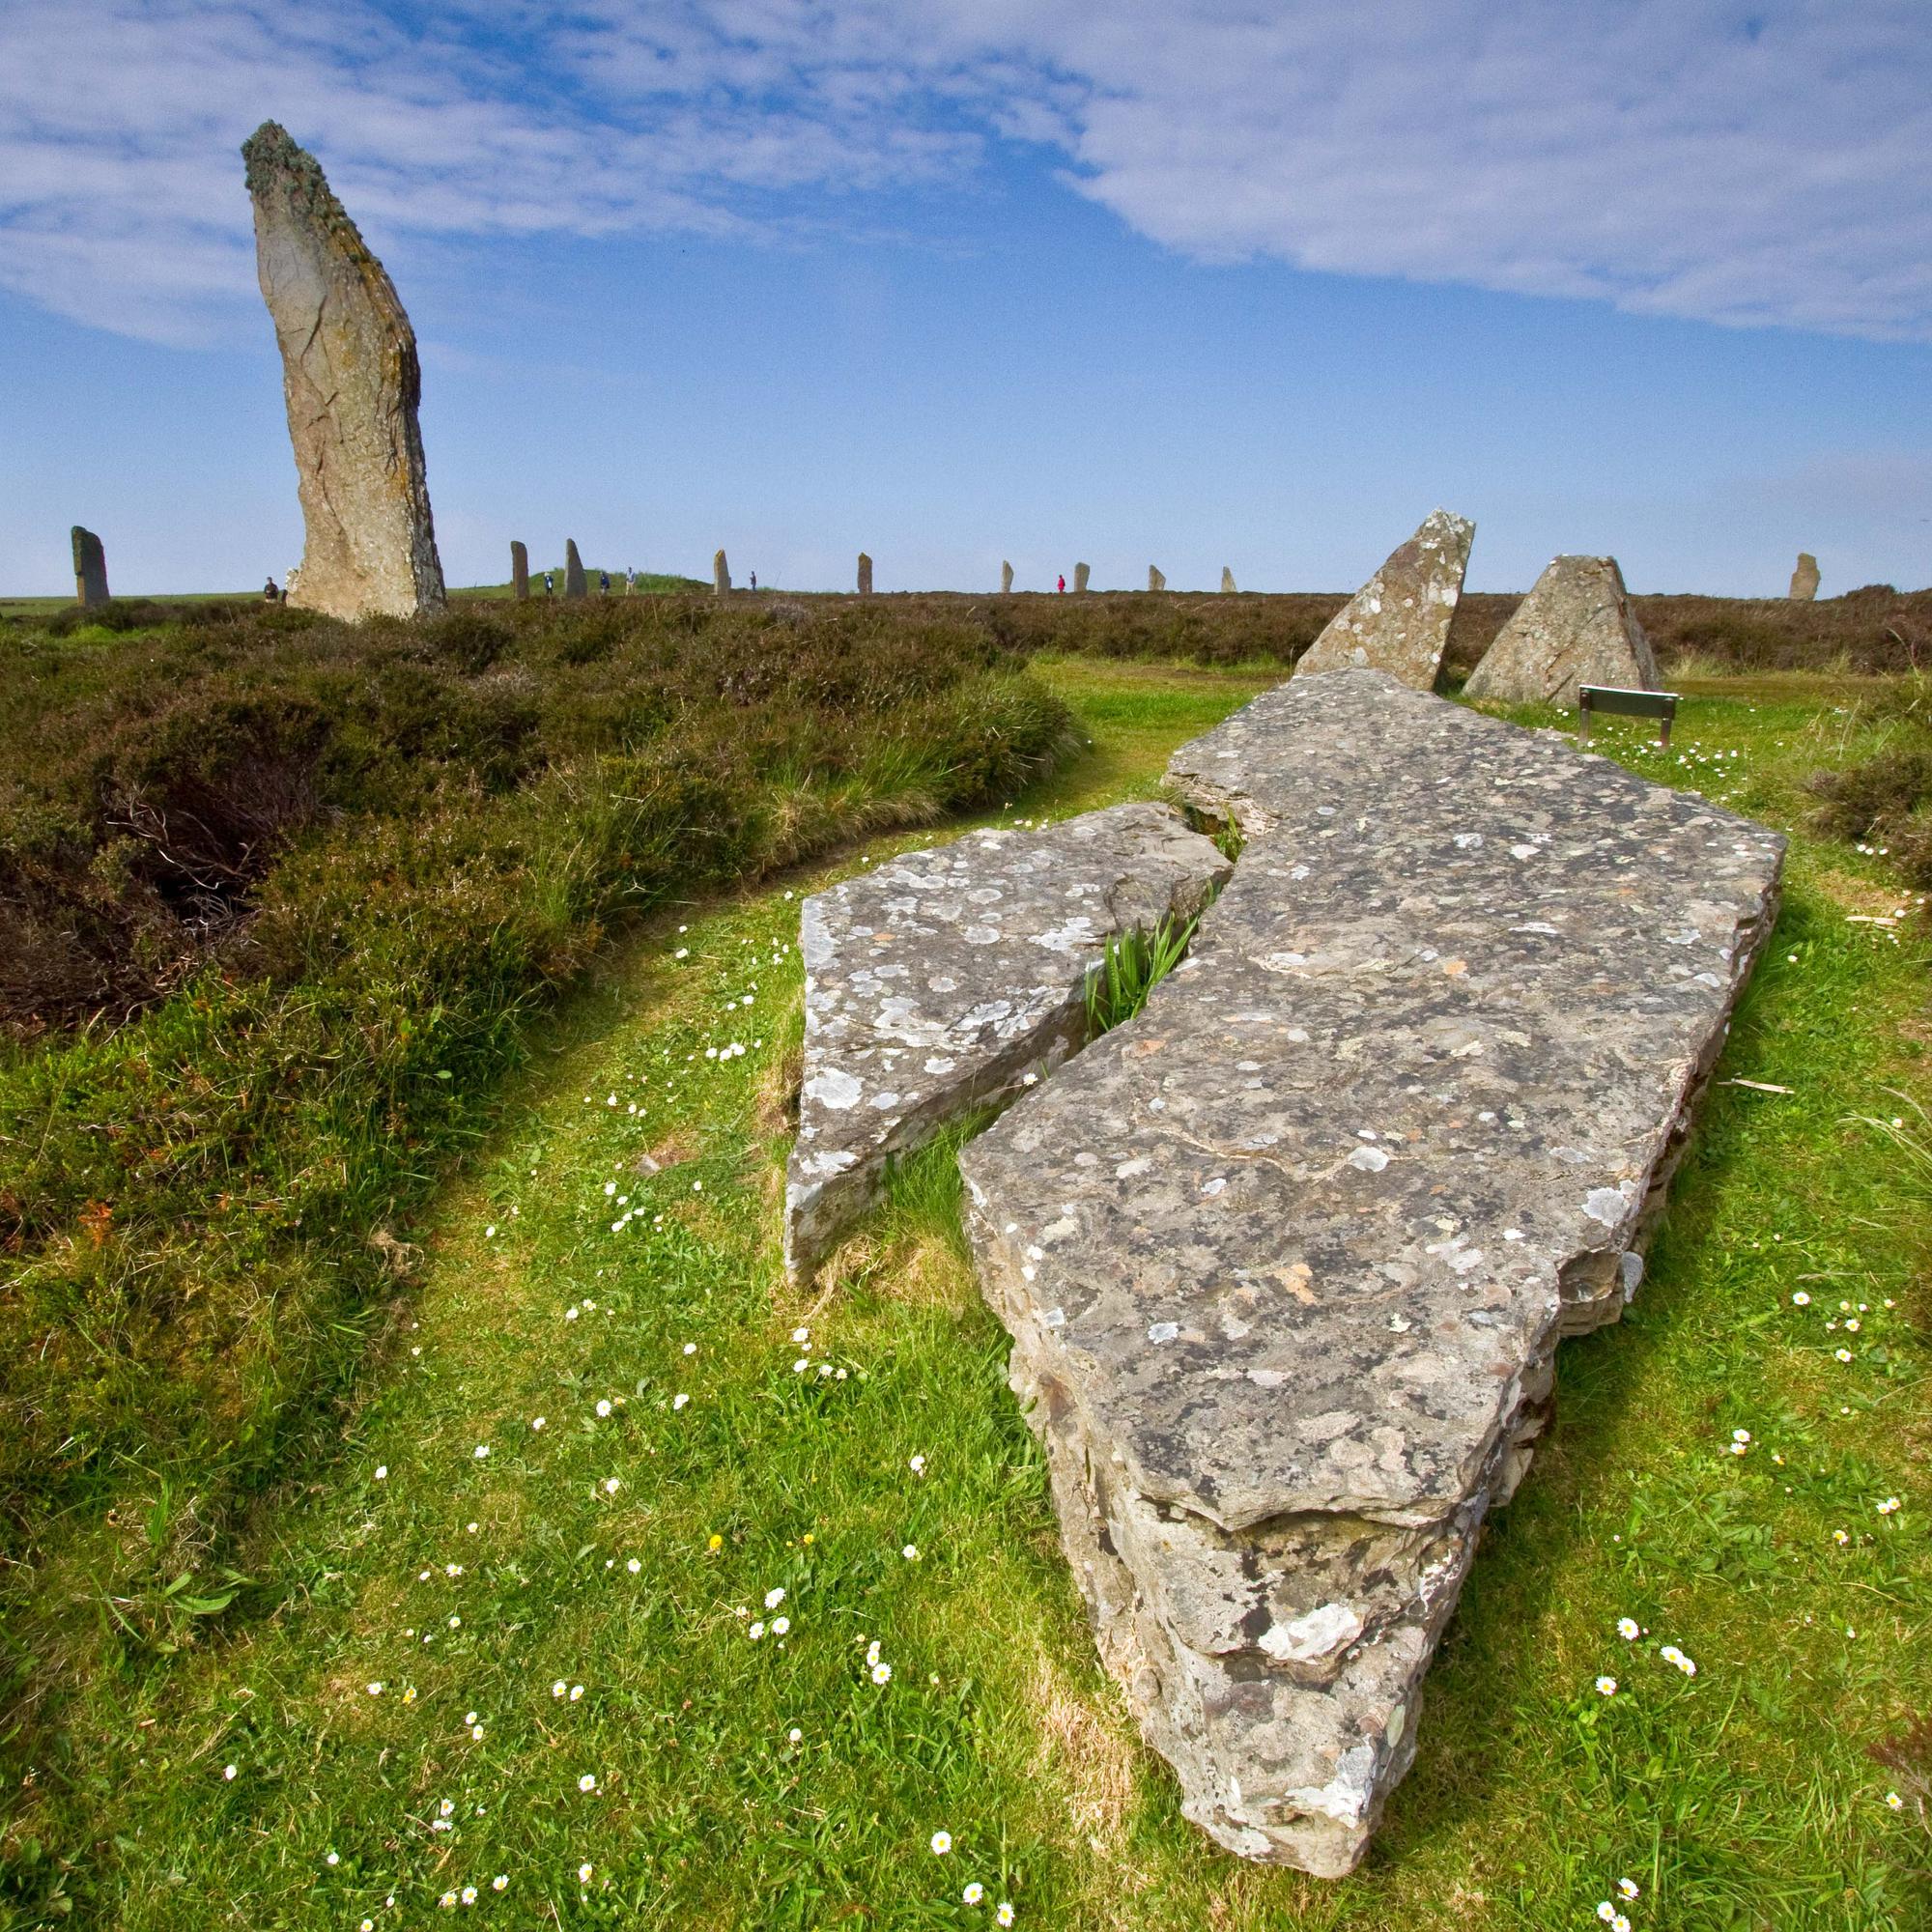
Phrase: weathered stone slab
{"type": "Point", "coordinates": [90, 568]}
{"type": "Point", "coordinates": [1080, 576]}
{"type": "Point", "coordinates": [520, 569]}
{"type": "Point", "coordinates": [1286, 1257]}
{"type": "Point", "coordinates": [1804, 579]}
{"type": "Point", "coordinates": [1575, 627]}
{"type": "Point", "coordinates": [352, 382]}
{"type": "Point", "coordinates": [1227, 579]}
{"type": "Point", "coordinates": [864, 575]}
{"type": "Point", "coordinates": [574, 585]}
{"type": "Point", "coordinates": [1006, 579]}
{"type": "Point", "coordinates": [1155, 580]}
{"type": "Point", "coordinates": [951, 977]}
{"type": "Point", "coordinates": [1398, 620]}
{"type": "Point", "coordinates": [720, 575]}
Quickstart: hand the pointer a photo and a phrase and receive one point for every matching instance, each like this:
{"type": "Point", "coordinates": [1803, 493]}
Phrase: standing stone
{"type": "Point", "coordinates": [1226, 580]}
{"type": "Point", "coordinates": [1574, 627]}
{"type": "Point", "coordinates": [90, 568]}
{"type": "Point", "coordinates": [864, 575]}
{"type": "Point", "coordinates": [574, 585]}
{"type": "Point", "coordinates": [1398, 620]}
{"type": "Point", "coordinates": [720, 575]}
{"type": "Point", "coordinates": [1804, 579]}
{"type": "Point", "coordinates": [1155, 581]}
{"type": "Point", "coordinates": [352, 382]}
{"type": "Point", "coordinates": [1006, 579]}
{"type": "Point", "coordinates": [1080, 576]}
{"type": "Point", "coordinates": [520, 569]}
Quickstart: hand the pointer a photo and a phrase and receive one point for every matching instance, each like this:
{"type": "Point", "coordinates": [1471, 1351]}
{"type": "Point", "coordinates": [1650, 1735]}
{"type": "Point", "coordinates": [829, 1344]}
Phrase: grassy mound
{"type": "Point", "coordinates": [277, 899]}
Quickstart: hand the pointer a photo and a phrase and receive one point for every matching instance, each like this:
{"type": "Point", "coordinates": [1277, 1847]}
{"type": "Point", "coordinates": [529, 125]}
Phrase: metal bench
{"type": "Point", "coordinates": [1614, 703]}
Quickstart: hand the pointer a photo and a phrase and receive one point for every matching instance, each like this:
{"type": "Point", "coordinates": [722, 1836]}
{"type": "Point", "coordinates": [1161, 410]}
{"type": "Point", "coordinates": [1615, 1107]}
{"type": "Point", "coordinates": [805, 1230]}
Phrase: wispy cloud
{"type": "Point", "coordinates": [1686, 157]}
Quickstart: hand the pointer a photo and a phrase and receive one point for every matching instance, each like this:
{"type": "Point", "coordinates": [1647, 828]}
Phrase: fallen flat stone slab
{"type": "Point", "coordinates": [1286, 1257]}
{"type": "Point", "coordinates": [1398, 620]}
{"type": "Point", "coordinates": [1575, 627]}
{"type": "Point", "coordinates": [951, 978]}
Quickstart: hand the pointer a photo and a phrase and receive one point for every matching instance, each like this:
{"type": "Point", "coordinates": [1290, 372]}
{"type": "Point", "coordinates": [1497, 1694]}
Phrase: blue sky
{"type": "Point", "coordinates": [1173, 281]}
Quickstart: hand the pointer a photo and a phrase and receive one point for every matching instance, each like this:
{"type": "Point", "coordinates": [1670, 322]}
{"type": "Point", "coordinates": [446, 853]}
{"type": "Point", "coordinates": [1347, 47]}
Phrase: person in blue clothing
{"type": "Point", "coordinates": [550, 585]}
{"type": "Point", "coordinates": [603, 584]}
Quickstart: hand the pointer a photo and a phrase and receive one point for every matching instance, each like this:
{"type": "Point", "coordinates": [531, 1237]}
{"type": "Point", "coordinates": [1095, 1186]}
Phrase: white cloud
{"type": "Point", "coordinates": [1687, 158]}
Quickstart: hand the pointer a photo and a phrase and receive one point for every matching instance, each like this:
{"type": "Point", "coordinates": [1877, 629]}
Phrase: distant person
{"type": "Point", "coordinates": [270, 593]}
{"type": "Point", "coordinates": [1063, 582]}
{"type": "Point", "coordinates": [603, 584]}
{"type": "Point", "coordinates": [550, 585]}
{"type": "Point", "coordinates": [755, 579]}
{"type": "Point", "coordinates": [630, 582]}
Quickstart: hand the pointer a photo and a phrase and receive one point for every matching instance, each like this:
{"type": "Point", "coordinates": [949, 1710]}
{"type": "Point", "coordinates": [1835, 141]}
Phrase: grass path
{"type": "Point", "coordinates": [596, 1597]}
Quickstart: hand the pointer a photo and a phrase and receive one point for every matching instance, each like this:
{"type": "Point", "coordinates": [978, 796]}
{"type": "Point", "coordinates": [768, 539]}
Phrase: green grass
{"type": "Point", "coordinates": [1748, 1797]}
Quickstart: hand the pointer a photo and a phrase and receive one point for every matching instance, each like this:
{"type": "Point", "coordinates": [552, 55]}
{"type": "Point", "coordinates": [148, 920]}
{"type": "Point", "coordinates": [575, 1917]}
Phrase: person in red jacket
{"type": "Point", "coordinates": [1063, 581]}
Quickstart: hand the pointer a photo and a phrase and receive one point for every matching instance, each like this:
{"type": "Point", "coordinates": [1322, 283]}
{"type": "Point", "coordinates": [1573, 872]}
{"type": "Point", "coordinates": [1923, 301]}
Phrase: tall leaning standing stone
{"type": "Point", "coordinates": [864, 575]}
{"type": "Point", "coordinates": [520, 569]}
{"type": "Point", "coordinates": [1080, 576]}
{"type": "Point", "coordinates": [1804, 579]}
{"type": "Point", "coordinates": [720, 575]}
{"type": "Point", "coordinates": [1006, 579]}
{"type": "Point", "coordinates": [1155, 580]}
{"type": "Point", "coordinates": [1226, 580]}
{"type": "Point", "coordinates": [90, 568]}
{"type": "Point", "coordinates": [352, 382]}
{"type": "Point", "coordinates": [1398, 620]}
{"type": "Point", "coordinates": [1575, 627]}
{"type": "Point", "coordinates": [574, 585]}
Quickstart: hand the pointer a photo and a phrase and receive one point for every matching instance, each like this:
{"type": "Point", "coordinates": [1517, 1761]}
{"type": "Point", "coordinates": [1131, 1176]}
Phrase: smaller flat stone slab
{"type": "Point", "coordinates": [951, 978]}
{"type": "Point", "coordinates": [1398, 620]}
{"type": "Point", "coordinates": [1574, 627]}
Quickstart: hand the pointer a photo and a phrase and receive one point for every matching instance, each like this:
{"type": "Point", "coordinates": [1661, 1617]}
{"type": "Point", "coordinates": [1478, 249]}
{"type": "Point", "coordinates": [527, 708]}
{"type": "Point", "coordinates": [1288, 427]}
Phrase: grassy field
{"type": "Point", "coordinates": [519, 1638]}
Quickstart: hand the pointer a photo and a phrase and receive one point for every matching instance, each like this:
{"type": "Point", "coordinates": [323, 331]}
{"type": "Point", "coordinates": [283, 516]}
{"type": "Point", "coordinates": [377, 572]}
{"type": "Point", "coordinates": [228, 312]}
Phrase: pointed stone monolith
{"type": "Point", "coordinates": [864, 575]}
{"type": "Point", "coordinates": [720, 575]}
{"type": "Point", "coordinates": [1155, 580]}
{"type": "Point", "coordinates": [1804, 579]}
{"type": "Point", "coordinates": [574, 585]}
{"type": "Point", "coordinates": [1006, 579]}
{"type": "Point", "coordinates": [1227, 579]}
{"type": "Point", "coordinates": [1398, 620]}
{"type": "Point", "coordinates": [90, 568]}
{"type": "Point", "coordinates": [352, 382]}
{"type": "Point", "coordinates": [1080, 574]}
{"type": "Point", "coordinates": [520, 569]}
{"type": "Point", "coordinates": [1574, 627]}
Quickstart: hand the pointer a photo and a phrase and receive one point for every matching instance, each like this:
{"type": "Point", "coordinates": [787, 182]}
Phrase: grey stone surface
{"type": "Point", "coordinates": [1227, 578]}
{"type": "Point", "coordinates": [352, 382]}
{"type": "Point", "coordinates": [574, 585]}
{"type": "Point", "coordinates": [1286, 1257]}
{"type": "Point", "coordinates": [721, 573]}
{"type": "Point", "coordinates": [1080, 576]}
{"type": "Point", "coordinates": [951, 978]}
{"type": "Point", "coordinates": [1398, 620]}
{"type": "Point", "coordinates": [520, 569]}
{"type": "Point", "coordinates": [1005, 578]}
{"type": "Point", "coordinates": [864, 575]}
{"type": "Point", "coordinates": [1155, 580]}
{"type": "Point", "coordinates": [90, 568]}
{"type": "Point", "coordinates": [1574, 627]}
{"type": "Point", "coordinates": [1804, 579]}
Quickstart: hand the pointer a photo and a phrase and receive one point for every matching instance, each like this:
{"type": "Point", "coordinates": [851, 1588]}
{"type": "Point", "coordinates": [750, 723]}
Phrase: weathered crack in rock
{"type": "Point", "coordinates": [1286, 1257]}
{"type": "Point", "coordinates": [1398, 620]}
{"type": "Point", "coordinates": [951, 977]}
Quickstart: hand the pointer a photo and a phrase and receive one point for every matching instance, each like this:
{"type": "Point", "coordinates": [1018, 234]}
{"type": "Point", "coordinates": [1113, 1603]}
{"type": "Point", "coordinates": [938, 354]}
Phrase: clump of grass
{"type": "Point", "coordinates": [1884, 800]}
{"type": "Point", "coordinates": [1136, 961]}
